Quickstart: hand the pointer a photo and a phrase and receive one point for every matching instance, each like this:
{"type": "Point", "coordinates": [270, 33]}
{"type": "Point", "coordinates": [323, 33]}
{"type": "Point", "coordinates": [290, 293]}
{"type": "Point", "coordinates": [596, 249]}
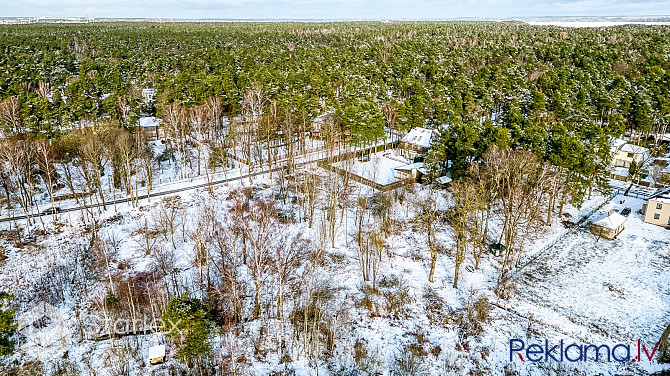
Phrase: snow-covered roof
{"type": "Point", "coordinates": [662, 199]}
{"type": "Point", "coordinates": [149, 121]}
{"type": "Point", "coordinates": [411, 166]}
{"type": "Point", "coordinates": [661, 195]}
{"type": "Point", "coordinates": [156, 351]}
{"type": "Point", "coordinates": [620, 171]}
{"type": "Point", "coordinates": [630, 148]}
{"type": "Point", "coordinates": [395, 157]}
{"type": "Point", "coordinates": [379, 168]}
{"type": "Point", "coordinates": [612, 221]}
{"type": "Point", "coordinates": [419, 136]}
{"type": "Point", "coordinates": [444, 179]}
{"type": "Point", "coordinates": [617, 142]}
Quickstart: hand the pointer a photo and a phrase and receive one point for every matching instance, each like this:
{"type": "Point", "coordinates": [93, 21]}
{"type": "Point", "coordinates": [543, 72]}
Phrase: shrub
{"type": "Point", "coordinates": [189, 325]}
{"type": "Point", "coordinates": [474, 314]}
{"type": "Point", "coordinates": [27, 368]}
{"type": "Point", "coordinates": [344, 370]}
{"type": "Point", "coordinates": [408, 364]}
{"type": "Point", "coordinates": [418, 348]}
{"type": "Point", "coordinates": [369, 363]}
{"type": "Point", "coordinates": [396, 296]}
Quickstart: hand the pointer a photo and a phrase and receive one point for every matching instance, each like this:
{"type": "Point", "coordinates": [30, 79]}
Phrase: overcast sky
{"type": "Point", "coordinates": [332, 9]}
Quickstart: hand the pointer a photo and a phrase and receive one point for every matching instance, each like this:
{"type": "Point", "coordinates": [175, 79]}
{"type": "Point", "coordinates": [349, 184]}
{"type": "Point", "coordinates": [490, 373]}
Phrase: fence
{"type": "Point", "coordinates": [327, 164]}
{"type": "Point", "coordinates": [362, 180]}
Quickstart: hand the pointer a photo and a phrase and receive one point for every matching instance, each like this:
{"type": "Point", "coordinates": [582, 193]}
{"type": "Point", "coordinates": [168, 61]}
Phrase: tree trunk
{"type": "Point", "coordinates": [433, 261]}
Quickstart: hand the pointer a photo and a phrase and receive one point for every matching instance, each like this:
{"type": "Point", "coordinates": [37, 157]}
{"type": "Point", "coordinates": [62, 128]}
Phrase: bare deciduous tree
{"type": "Point", "coordinates": [10, 115]}
{"type": "Point", "coordinates": [45, 160]}
{"type": "Point", "coordinates": [428, 216]}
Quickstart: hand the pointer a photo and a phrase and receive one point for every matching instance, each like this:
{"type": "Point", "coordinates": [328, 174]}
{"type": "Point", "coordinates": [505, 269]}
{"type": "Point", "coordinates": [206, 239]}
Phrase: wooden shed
{"type": "Point", "coordinates": [609, 226]}
{"type": "Point", "coordinates": [157, 354]}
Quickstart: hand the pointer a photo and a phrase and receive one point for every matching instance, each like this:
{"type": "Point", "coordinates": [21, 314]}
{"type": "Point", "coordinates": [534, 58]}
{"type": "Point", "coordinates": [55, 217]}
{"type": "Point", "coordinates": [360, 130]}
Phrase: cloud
{"type": "Point", "coordinates": [332, 9]}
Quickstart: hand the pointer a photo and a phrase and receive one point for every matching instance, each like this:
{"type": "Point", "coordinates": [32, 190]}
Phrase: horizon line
{"type": "Point", "coordinates": [613, 18]}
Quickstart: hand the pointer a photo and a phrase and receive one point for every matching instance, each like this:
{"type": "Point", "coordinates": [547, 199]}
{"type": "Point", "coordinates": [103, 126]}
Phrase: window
{"type": "Point", "coordinates": [659, 206]}
{"type": "Point", "coordinates": [631, 155]}
{"type": "Point", "coordinates": [657, 216]}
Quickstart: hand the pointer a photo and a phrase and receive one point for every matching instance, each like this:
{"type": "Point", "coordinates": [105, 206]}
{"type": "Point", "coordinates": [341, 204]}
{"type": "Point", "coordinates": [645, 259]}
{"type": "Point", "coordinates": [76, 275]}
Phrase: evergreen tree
{"type": "Point", "coordinates": [188, 320]}
{"type": "Point", "coordinates": [7, 326]}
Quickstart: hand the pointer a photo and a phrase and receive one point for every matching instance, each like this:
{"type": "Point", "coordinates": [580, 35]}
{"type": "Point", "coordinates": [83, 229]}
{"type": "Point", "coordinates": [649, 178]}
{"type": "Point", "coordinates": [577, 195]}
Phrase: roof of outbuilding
{"type": "Point", "coordinates": [630, 148]}
{"type": "Point", "coordinates": [149, 121]}
{"type": "Point", "coordinates": [611, 221]}
{"type": "Point", "coordinates": [156, 351]}
{"type": "Point", "coordinates": [411, 166]}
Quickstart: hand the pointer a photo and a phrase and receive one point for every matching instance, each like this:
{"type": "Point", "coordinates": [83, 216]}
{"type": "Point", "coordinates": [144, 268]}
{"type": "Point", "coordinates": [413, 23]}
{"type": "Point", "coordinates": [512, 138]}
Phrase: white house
{"type": "Point", "coordinates": [623, 153]}
{"type": "Point", "coordinates": [657, 208]}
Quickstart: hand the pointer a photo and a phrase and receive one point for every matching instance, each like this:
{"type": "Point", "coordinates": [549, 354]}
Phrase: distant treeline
{"type": "Point", "coordinates": [558, 92]}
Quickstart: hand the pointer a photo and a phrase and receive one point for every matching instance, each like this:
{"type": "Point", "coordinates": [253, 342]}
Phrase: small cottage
{"type": "Point", "coordinates": [624, 154]}
{"type": "Point", "coordinates": [609, 226]}
{"type": "Point", "coordinates": [157, 354]}
{"type": "Point", "coordinates": [151, 128]}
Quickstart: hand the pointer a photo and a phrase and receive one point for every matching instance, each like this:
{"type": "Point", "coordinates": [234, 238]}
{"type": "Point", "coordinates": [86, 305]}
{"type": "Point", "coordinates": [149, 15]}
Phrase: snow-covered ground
{"type": "Point", "coordinates": [582, 24]}
{"type": "Point", "coordinates": [582, 289]}
{"type": "Point", "coordinates": [593, 290]}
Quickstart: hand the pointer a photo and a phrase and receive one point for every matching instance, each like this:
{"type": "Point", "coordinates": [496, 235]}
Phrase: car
{"type": "Point", "coordinates": [54, 210]}
{"type": "Point", "coordinates": [625, 212]}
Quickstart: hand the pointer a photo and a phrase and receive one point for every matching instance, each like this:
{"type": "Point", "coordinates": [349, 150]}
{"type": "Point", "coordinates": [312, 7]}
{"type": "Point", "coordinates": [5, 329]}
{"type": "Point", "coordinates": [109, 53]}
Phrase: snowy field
{"type": "Point", "coordinates": [615, 291]}
{"type": "Point", "coordinates": [582, 24]}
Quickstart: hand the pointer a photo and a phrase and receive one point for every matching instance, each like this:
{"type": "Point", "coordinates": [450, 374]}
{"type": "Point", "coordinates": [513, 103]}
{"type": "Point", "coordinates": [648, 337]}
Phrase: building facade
{"type": "Point", "coordinates": [624, 154]}
{"type": "Point", "coordinates": [657, 210]}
